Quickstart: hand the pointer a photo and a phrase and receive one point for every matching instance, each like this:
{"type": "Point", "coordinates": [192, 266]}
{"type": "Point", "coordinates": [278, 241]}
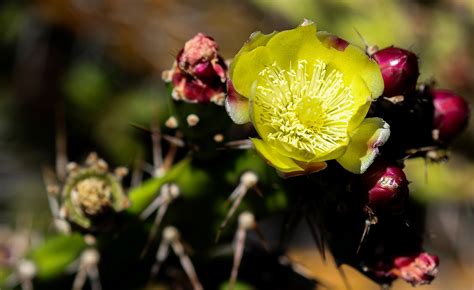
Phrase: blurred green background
{"type": "Point", "coordinates": [100, 64]}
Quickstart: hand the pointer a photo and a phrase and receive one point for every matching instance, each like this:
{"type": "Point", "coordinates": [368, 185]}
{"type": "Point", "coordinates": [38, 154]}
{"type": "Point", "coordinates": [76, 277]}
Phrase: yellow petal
{"type": "Point", "coordinates": [286, 166]}
{"type": "Point", "coordinates": [290, 46]}
{"type": "Point", "coordinates": [364, 77]}
{"type": "Point", "coordinates": [255, 40]}
{"type": "Point", "coordinates": [241, 66]}
{"type": "Point", "coordinates": [363, 148]}
{"type": "Point", "coordinates": [246, 67]}
{"type": "Point", "coordinates": [309, 167]}
{"type": "Point", "coordinates": [237, 106]}
{"type": "Point", "coordinates": [354, 62]}
{"type": "Point", "coordinates": [359, 116]}
{"type": "Point", "coordinates": [280, 162]}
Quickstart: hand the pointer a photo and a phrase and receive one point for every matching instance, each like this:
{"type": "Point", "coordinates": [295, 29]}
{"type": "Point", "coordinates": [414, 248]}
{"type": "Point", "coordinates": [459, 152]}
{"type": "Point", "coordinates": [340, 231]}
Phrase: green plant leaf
{"type": "Point", "coordinates": [56, 254]}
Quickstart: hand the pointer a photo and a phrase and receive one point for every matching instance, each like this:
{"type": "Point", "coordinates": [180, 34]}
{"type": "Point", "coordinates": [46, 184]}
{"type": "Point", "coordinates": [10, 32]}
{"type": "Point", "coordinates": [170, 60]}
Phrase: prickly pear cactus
{"type": "Point", "coordinates": [300, 127]}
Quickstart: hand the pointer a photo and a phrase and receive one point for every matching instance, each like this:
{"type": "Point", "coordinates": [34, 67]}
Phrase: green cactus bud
{"type": "Point", "coordinates": [91, 194]}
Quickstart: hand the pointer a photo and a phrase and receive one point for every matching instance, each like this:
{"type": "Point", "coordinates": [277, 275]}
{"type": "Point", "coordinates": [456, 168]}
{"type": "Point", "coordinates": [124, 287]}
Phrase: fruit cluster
{"type": "Point", "coordinates": [424, 120]}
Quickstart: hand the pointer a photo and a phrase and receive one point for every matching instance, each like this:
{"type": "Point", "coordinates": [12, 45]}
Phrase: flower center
{"type": "Point", "coordinates": [93, 195]}
{"type": "Point", "coordinates": [307, 108]}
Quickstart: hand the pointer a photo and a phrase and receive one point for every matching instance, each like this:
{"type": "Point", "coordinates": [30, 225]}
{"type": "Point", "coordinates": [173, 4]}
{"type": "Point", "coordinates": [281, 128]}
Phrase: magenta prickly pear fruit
{"type": "Point", "coordinates": [399, 70]}
{"type": "Point", "coordinates": [451, 115]}
{"type": "Point", "coordinates": [199, 73]}
{"type": "Point", "coordinates": [387, 188]}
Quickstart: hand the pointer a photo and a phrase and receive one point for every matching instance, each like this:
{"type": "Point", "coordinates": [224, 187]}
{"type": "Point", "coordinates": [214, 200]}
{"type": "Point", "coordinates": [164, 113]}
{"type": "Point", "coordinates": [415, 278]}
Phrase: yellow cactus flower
{"type": "Point", "coordinates": [308, 100]}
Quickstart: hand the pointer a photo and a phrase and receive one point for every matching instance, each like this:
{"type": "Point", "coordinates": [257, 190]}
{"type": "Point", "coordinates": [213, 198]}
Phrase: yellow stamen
{"type": "Point", "coordinates": [307, 109]}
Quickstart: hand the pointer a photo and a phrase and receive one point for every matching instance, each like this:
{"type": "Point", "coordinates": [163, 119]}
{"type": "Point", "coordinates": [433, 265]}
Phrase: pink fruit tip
{"type": "Point", "coordinates": [200, 48]}
{"type": "Point", "coordinates": [399, 69]}
{"type": "Point", "coordinates": [451, 115]}
{"type": "Point", "coordinates": [418, 270]}
{"type": "Point", "coordinates": [387, 188]}
{"type": "Point", "coordinates": [199, 72]}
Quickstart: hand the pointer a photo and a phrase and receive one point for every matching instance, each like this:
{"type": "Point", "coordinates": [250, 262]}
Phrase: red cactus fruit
{"type": "Point", "coordinates": [399, 70]}
{"type": "Point", "coordinates": [451, 115]}
{"type": "Point", "coordinates": [387, 188]}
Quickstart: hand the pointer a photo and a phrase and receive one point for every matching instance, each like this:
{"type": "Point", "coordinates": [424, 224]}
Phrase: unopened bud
{"type": "Point", "coordinates": [451, 115]}
{"type": "Point", "coordinates": [199, 72]}
{"type": "Point", "coordinates": [387, 188]}
{"type": "Point", "coordinates": [90, 192]}
{"type": "Point", "coordinates": [399, 69]}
